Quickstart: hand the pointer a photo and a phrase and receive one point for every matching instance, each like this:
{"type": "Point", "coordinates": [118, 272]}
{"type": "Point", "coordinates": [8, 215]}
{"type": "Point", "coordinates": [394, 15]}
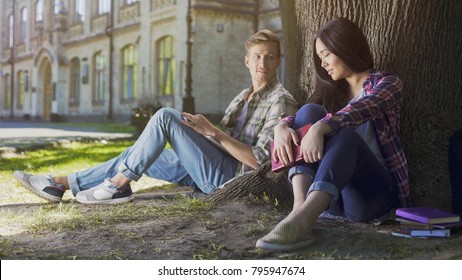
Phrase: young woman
{"type": "Point", "coordinates": [354, 162]}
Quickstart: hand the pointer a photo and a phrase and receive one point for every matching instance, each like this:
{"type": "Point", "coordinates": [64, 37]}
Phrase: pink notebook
{"type": "Point", "coordinates": [279, 166]}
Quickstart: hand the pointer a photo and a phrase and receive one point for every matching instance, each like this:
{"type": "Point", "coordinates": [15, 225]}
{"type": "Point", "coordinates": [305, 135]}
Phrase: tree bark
{"type": "Point", "coordinates": [257, 184]}
{"type": "Point", "coordinates": [419, 40]}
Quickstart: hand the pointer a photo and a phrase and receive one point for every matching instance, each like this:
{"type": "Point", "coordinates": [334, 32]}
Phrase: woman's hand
{"type": "Point", "coordinates": [284, 136]}
{"type": "Point", "coordinates": [199, 123]}
{"type": "Point", "coordinates": [312, 144]}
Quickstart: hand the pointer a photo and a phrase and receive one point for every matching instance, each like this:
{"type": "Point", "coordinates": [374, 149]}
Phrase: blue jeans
{"type": "Point", "coordinates": [192, 161]}
{"type": "Point", "coordinates": [360, 187]}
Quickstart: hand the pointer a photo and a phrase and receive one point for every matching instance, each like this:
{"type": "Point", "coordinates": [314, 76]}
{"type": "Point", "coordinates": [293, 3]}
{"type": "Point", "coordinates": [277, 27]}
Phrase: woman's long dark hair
{"type": "Point", "coordinates": [346, 40]}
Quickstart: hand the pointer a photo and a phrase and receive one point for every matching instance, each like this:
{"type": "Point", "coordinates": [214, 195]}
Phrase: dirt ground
{"type": "Point", "coordinates": [227, 231]}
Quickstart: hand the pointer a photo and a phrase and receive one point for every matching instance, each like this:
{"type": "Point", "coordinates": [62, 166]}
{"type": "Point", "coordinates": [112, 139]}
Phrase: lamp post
{"type": "Point", "coordinates": [188, 99]}
{"type": "Point", "coordinates": [12, 87]}
{"type": "Point", "coordinates": [110, 34]}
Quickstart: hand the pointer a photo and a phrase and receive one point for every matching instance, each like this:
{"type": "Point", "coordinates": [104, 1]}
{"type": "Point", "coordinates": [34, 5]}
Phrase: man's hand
{"type": "Point", "coordinates": [199, 123]}
{"type": "Point", "coordinates": [240, 151]}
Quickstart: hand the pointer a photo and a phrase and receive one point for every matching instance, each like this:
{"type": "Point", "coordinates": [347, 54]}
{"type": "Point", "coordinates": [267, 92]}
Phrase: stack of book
{"type": "Point", "coordinates": [425, 222]}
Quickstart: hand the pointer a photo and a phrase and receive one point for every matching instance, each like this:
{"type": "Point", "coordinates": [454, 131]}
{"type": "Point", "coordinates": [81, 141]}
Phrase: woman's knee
{"type": "Point", "coordinates": [311, 112]}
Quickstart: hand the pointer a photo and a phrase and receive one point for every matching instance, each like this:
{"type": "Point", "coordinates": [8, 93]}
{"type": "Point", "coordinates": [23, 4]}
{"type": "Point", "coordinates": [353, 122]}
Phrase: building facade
{"type": "Point", "coordinates": [98, 59]}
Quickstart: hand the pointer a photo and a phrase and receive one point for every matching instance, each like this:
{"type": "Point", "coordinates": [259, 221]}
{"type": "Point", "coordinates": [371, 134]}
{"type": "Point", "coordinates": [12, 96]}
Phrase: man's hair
{"type": "Point", "coordinates": [262, 36]}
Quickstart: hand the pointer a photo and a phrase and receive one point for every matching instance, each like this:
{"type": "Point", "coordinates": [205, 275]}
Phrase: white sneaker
{"type": "Point", "coordinates": [42, 186]}
{"type": "Point", "coordinates": [105, 193]}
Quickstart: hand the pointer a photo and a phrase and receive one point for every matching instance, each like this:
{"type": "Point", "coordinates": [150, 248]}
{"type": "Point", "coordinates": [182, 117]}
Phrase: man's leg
{"type": "Point", "coordinates": [193, 159]}
{"type": "Point", "coordinates": [92, 177]}
{"type": "Point", "coordinates": [204, 162]}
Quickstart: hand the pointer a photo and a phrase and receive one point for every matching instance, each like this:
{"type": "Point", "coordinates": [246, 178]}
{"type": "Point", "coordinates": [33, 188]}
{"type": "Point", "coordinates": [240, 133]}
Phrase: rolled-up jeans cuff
{"type": "Point", "coordinates": [73, 183]}
{"type": "Point", "coordinates": [325, 187]}
{"type": "Point", "coordinates": [300, 169]}
{"type": "Point", "coordinates": [122, 168]}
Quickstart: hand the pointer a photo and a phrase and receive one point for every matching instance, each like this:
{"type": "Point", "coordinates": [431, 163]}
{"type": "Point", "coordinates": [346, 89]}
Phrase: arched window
{"type": "Point", "coordinates": [99, 82]}
{"type": "Point", "coordinates": [23, 27]}
{"type": "Point", "coordinates": [7, 92]}
{"type": "Point", "coordinates": [129, 72]}
{"type": "Point", "coordinates": [79, 10]}
{"type": "Point", "coordinates": [59, 7]}
{"type": "Point", "coordinates": [39, 11]}
{"type": "Point", "coordinates": [21, 89]}
{"type": "Point", "coordinates": [166, 66]}
{"type": "Point", "coordinates": [74, 92]}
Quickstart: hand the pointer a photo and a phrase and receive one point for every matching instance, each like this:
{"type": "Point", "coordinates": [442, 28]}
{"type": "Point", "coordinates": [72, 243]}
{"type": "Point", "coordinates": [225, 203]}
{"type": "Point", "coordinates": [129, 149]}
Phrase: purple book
{"type": "Point", "coordinates": [278, 166]}
{"type": "Point", "coordinates": [427, 215]}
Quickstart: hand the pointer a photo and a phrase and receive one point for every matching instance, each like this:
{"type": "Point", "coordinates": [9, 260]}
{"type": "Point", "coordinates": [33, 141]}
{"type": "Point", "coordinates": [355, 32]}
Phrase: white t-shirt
{"type": "Point", "coordinates": [367, 132]}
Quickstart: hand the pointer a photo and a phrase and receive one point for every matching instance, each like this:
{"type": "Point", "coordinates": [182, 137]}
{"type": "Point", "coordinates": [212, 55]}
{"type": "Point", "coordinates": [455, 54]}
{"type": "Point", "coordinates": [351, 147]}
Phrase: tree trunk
{"type": "Point", "coordinates": [260, 183]}
{"type": "Point", "coordinates": [419, 40]}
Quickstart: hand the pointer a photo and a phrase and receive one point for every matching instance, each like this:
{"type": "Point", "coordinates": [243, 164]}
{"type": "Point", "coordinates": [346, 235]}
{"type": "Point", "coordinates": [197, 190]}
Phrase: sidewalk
{"type": "Point", "coordinates": [17, 136]}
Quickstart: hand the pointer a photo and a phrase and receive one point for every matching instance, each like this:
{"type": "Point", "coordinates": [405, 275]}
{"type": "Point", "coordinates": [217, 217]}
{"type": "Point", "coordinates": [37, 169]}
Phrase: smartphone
{"type": "Point", "coordinates": [187, 120]}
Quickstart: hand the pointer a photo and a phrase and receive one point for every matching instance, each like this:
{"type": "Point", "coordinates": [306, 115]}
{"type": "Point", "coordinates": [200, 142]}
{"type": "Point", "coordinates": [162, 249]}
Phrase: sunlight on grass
{"type": "Point", "coordinates": [65, 216]}
{"type": "Point", "coordinates": [101, 127]}
{"type": "Point", "coordinates": [39, 215]}
{"type": "Point", "coordinates": [59, 161]}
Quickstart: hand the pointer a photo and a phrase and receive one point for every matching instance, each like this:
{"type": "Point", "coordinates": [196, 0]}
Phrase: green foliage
{"type": "Point", "coordinates": [61, 158]}
{"type": "Point", "coordinates": [101, 127]}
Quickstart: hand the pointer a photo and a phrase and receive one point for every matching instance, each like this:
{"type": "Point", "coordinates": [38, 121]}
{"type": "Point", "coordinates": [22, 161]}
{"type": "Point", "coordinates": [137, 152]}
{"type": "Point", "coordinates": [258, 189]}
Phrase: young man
{"type": "Point", "coordinates": [245, 132]}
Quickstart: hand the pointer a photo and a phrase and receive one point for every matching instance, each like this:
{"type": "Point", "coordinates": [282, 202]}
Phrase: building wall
{"type": "Point", "coordinates": [2, 42]}
{"type": "Point", "coordinates": [220, 73]}
{"type": "Point", "coordinates": [219, 31]}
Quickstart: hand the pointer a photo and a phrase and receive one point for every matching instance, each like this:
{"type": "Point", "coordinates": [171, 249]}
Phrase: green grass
{"type": "Point", "coordinates": [67, 216]}
{"type": "Point", "coordinates": [101, 127]}
{"type": "Point", "coordinates": [64, 160]}
{"type": "Point", "coordinates": [57, 161]}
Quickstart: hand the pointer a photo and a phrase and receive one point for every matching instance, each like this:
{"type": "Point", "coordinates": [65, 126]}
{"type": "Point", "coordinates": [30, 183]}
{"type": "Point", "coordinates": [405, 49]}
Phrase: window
{"type": "Point", "coordinates": [129, 79]}
{"type": "Point", "coordinates": [166, 66]}
{"type": "Point", "coordinates": [74, 92]}
{"type": "Point", "coordinates": [104, 6]}
{"type": "Point", "coordinates": [22, 34]}
{"type": "Point", "coordinates": [59, 7]}
{"type": "Point", "coordinates": [79, 10]}
{"type": "Point", "coordinates": [21, 89]}
{"type": "Point", "coordinates": [99, 84]}
{"type": "Point", "coordinates": [39, 11]}
{"type": "Point", "coordinates": [10, 31]}
{"type": "Point", "coordinates": [129, 2]}
{"type": "Point", "coordinates": [7, 91]}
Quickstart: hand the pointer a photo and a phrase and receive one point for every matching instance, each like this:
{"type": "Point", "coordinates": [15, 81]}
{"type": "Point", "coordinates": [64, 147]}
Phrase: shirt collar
{"type": "Point", "coordinates": [266, 89]}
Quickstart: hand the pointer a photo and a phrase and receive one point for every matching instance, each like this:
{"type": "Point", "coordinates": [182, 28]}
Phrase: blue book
{"type": "Point", "coordinates": [406, 232]}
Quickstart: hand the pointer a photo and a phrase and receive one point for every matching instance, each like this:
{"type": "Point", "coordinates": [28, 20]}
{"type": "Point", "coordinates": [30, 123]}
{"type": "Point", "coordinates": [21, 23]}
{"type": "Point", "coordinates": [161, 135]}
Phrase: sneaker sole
{"type": "Point", "coordinates": [109, 201]}
{"type": "Point", "coordinates": [283, 247]}
{"type": "Point", "coordinates": [31, 188]}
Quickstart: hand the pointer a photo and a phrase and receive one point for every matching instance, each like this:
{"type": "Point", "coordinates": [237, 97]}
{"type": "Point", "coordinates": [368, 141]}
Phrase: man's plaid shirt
{"type": "Point", "coordinates": [268, 106]}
